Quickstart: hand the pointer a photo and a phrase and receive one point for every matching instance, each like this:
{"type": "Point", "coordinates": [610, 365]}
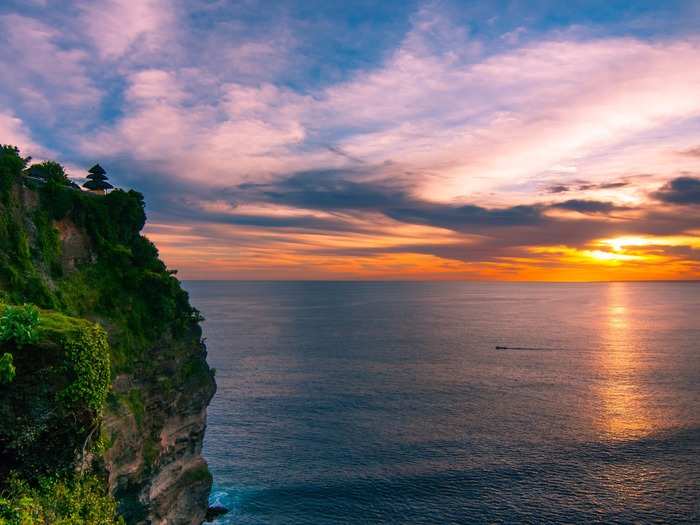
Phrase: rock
{"type": "Point", "coordinates": [214, 512]}
{"type": "Point", "coordinates": [156, 470]}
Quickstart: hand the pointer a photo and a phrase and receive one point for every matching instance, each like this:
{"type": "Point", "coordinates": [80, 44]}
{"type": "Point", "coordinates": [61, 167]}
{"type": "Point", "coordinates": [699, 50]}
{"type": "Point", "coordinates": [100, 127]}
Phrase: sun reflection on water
{"type": "Point", "coordinates": [623, 415]}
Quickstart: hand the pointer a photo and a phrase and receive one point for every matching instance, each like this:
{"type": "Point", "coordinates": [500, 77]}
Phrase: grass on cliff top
{"type": "Point", "coordinates": [55, 326]}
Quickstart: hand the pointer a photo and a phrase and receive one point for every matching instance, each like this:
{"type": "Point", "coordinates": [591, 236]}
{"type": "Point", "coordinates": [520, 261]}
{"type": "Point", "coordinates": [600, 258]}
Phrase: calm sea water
{"type": "Point", "coordinates": [365, 403]}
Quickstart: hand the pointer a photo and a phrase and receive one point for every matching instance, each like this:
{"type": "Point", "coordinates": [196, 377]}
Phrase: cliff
{"type": "Point", "coordinates": [106, 398]}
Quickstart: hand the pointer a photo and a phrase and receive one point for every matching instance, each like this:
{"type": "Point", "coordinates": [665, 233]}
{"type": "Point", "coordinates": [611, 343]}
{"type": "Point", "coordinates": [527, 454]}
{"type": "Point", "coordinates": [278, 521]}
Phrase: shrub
{"type": "Point", "coordinates": [57, 396]}
{"type": "Point", "coordinates": [50, 171]}
{"type": "Point", "coordinates": [87, 356]}
{"type": "Point", "coordinates": [136, 406]}
{"type": "Point", "coordinates": [7, 369]}
{"type": "Point", "coordinates": [55, 500]}
{"type": "Point", "coordinates": [47, 245]}
{"type": "Point", "coordinates": [18, 324]}
{"type": "Point", "coordinates": [11, 166]}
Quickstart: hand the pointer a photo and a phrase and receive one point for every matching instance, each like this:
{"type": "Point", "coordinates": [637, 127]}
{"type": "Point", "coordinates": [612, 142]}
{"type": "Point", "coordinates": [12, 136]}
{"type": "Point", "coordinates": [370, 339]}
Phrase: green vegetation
{"type": "Point", "coordinates": [11, 167]}
{"type": "Point", "coordinates": [7, 368]}
{"type": "Point", "coordinates": [47, 247]}
{"type": "Point", "coordinates": [57, 361]}
{"type": "Point", "coordinates": [135, 402]}
{"type": "Point", "coordinates": [18, 324]}
{"type": "Point", "coordinates": [49, 171]}
{"type": "Point", "coordinates": [87, 363]}
{"type": "Point", "coordinates": [20, 278]}
{"type": "Point", "coordinates": [126, 285]}
{"type": "Point", "coordinates": [57, 395]}
{"type": "Point", "coordinates": [71, 500]}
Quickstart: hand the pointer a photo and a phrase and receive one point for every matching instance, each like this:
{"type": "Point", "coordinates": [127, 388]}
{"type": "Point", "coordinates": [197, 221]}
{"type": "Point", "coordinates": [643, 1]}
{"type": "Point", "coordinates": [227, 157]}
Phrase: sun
{"type": "Point", "coordinates": [620, 243]}
{"type": "Point", "coordinates": [613, 257]}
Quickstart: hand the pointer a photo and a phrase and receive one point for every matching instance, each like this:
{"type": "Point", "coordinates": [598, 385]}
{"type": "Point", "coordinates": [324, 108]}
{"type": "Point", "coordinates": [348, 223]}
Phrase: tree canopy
{"type": "Point", "coordinates": [50, 171]}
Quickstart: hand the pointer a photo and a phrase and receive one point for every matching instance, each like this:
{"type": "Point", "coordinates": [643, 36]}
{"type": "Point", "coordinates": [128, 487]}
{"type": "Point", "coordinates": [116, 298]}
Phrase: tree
{"type": "Point", "coordinates": [11, 166]}
{"type": "Point", "coordinates": [49, 171]}
{"type": "Point", "coordinates": [11, 153]}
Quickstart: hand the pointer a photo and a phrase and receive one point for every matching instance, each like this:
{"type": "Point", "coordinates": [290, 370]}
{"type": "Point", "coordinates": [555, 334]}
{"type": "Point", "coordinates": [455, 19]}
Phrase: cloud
{"type": "Point", "coordinates": [692, 152]}
{"type": "Point", "coordinates": [168, 120]}
{"type": "Point", "coordinates": [351, 190]}
{"type": "Point", "coordinates": [682, 190]}
{"type": "Point", "coordinates": [352, 215]}
{"type": "Point", "coordinates": [42, 76]}
{"type": "Point", "coordinates": [501, 122]}
{"type": "Point", "coordinates": [604, 186]}
{"type": "Point", "coordinates": [587, 206]}
{"type": "Point", "coordinates": [468, 216]}
{"type": "Point", "coordinates": [512, 115]}
{"type": "Point", "coordinates": [14, 132]}
{"type": "Point", "coordinates": [584, 186]}
{"type": "Point", "coordinates": [327, 190]}
{"type": "Point", "coordinates": [228, 118]}
{"type": "Point", "coordinates": [118, 27]}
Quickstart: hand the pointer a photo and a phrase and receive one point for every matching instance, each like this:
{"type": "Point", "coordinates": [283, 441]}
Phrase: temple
{"type": "Point", "coordinates": [97, 181]}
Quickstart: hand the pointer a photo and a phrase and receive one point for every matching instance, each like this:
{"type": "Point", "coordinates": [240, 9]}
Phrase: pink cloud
{"type": "Point", "coordinates": [516, 114]}
{"type": "Point", "coordinates": [118, 27]}
{"type": "Point", "coordinates": [463, 123]}
{"type": "Point", "coordinates": [45, 76]}
{"type": "Point", "coordinates": [14, 132]}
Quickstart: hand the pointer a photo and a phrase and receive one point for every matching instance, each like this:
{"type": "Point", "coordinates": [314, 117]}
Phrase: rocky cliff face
{"type": "Point", "coordinates": [155, 419]}
{"type": "Point", "coordinates": [83, 255]}
{"type": "Point", "coordinates": [156, 426]}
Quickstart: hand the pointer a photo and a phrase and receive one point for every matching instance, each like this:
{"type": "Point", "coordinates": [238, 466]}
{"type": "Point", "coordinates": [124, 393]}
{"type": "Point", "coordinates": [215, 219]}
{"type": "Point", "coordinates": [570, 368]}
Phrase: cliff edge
{"type": "Point", "coordinates": [106, 396]}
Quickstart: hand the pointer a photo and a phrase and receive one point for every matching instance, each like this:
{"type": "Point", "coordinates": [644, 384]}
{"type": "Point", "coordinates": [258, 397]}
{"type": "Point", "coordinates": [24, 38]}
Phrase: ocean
{"type": "Point", "coordinates": [389, 402]}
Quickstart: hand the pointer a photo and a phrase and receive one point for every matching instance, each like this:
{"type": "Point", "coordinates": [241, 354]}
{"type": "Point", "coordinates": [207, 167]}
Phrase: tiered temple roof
{"type": "Point", "coordinates": [97, 180]}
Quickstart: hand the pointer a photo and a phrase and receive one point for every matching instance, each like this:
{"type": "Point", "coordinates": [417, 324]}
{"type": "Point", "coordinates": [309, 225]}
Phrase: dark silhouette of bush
{"type": "Point", "coordinates": [49, 171]}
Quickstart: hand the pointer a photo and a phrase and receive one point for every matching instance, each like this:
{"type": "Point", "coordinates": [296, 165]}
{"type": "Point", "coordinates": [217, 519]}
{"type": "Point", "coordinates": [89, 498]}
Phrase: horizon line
{"type": "Point", "coordinates": [443, 281]}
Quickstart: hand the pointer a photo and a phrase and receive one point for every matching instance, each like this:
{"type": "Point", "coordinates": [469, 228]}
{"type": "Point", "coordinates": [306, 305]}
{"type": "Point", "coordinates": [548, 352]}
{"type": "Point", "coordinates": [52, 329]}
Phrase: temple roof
{"type": "Point", "coordinates": [97, 170]}
{"type": "Point", "coordinates": [97, 173]}
{"type": "Point", "coordinates": [97, 185]}
{"type": "Point", "coordinates": [97, 176]}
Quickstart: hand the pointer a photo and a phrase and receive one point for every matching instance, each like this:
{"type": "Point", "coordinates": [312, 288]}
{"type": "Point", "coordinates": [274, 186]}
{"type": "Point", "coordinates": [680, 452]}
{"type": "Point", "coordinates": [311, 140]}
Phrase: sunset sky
{"type": "Point", "coordinates": [545, 140]}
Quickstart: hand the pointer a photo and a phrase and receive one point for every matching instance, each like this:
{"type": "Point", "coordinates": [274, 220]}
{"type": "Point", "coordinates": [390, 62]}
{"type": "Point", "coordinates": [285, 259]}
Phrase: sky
{"type": "Point", "coordinates": [509, 140]}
